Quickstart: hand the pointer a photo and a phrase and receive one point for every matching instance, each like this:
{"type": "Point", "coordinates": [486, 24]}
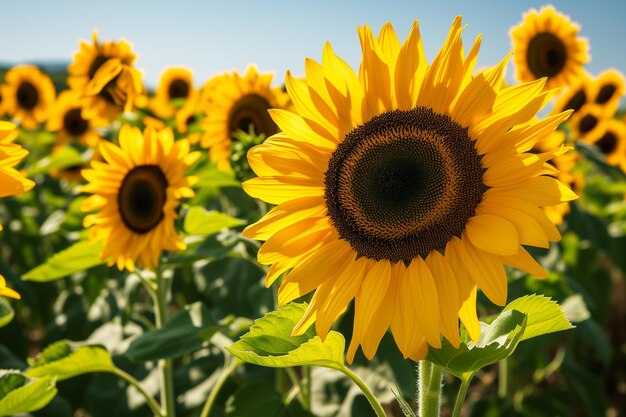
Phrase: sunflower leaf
{"type": "Point", "coordinates": [202, 222]}
{"type": "Point", "coordinates": [64, 360]}
{"type": "Point", "coordinates": [78, 257]}
{"type": "Point", "coordinates": [544, 315]}
{"type": "Point", "coordinates": [270, 342]}
{"type": "Point", "coordinates": [184, 333]}
{"type": "Point", "coordinates": [19, 394]}
{"type": "Point", "coordinates": [6, 312]}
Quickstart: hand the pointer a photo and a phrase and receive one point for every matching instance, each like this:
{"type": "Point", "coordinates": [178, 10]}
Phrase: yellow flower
{"type": "Point", "coordinates": [175, 84]}
{"type": "Point", "coordinates": [403, 187]}
{"type": "Point", "coordinates": [576, 96]}
{"type": "Point", "coordinates": [68, 122]}
{"type": "Point", "coordinates": [612, 142]}
{"type": "Point", "coordinates": [6, 291]}
{"type": "Point", "coordinates": [235, 102]}
{"type": "Point", "coordinates": [608, 90]}
{"type": "Point", "coordinates": [28, 95]}
{"type": "Point", "coordinates": [588, 123]}
{"type": "Point", "coordinates": [188, 119]}
{"type": "Point", "coordinates": [546, 44]}
{"type": "Point", "coordinates": [105, 75]}
{"type": "Point", "coordinates": [135, 193]}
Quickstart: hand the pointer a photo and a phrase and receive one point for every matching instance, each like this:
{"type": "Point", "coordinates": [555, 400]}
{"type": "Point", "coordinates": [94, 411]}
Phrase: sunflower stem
{"type": "Point", "coordinates": [154, 406]}
{"type": "Point", "coordinates": [429, 395]}
{"type": "Point", "coordinates": [460, 398]}
{"type": "Point", "coordinates": [229, 368]}
{"type": "Point", "coordinates": [378, 409]}
{"type": "Point", "coordinates": [503, 378]}
{"type": "Point", "coordinates": [165, 365]}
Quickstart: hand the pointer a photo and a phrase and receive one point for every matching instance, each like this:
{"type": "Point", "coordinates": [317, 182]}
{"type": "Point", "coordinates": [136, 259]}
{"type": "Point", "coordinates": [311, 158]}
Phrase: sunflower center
{"type": "Point", "coordinates": [546, 55]}
{"type": "Point", "coordinates": [251, 109]}
{"type": "Point", "coordinates": [142, 197]}
{"type": "Point", "coordinates": [403, 184]}
{"type": "Point", "coordinates": [605, 93]}
{"type": "Point", "coordinates": [178, 89]}
{"type": "Point", "coordinates": [607, 143]}
{"type": "Point", "coordinates": [576, 101]}
{"type": "Point", "coordinates": [27, 95]}
{"type": "Point", "coordinates": [587, 123]}
{"type": "Point", "coordinates": [97, 62]}
{"type": "Point", "coordinates": [74, 124]}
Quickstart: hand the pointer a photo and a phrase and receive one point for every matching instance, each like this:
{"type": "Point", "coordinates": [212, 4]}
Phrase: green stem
{"type": "Point", "coordinates": [154, 406]}
{"type": "Point", "coordinates": [228, 370]}
{"type": "Point", "coordinates": [460, 398]}
{"type": "Point", "coordinates": [503, 378]}
{"type": "Point", "coordinates": [165, 365]}
{"type": "Point", "coordinates": [308, 386]}
{"type": "Point", "coordinates": [430, 389]}
{"type": "Point", "coordinates": [378, 409]}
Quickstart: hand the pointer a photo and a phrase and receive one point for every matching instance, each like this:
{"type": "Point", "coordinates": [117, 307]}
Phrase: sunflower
{"type": "Point", "coordinates": [6, 291]}
{"type": "Point", "coordinates": [136, 192]}
{"type": "Point", "coordinates": [608, 91]}
{"type": "Point", "coordinates": [612, 141]}
{"type": "Point", "coordinates": [188, 120]}
{"type": "Point", "coordinates": [2, 105]}
{"type": "Point", "coordinates": [404, 188]}
{"type": "Point", "coordinates": [588, 123]}
{"type": "Point", "coordinates": [576, 96]}
{"type": "Point", "coordinates": [175, 84]}
{"type": "Point", "coordinates": [66, 119]}
{"type": "Point", "coordinates": [564, 166]}
{"type": "Point", "coordinates": [235, 103]}
{"type": "Point", "coordinates": [28, 95]}
{"type": "Point", "coordinates": [546, 44]}
{"type": "Point", "coordinates": [104, 73]}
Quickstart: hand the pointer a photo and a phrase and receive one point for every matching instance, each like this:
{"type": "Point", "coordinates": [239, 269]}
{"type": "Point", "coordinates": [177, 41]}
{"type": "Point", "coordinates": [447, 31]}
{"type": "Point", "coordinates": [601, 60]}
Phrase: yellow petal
{"type": "Point", "coordinates": [492, 234]}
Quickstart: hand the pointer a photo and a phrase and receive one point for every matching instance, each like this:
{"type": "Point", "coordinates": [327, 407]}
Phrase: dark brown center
{"type": "Point", "coordinates": [403, 184]}
{"type": "Point", "coordinates": [605, 93]}
{"type": "Point", "coordinates": [546, 55]}
{"type": "Point", "coordinates": [250, 112]}
{"type": "Point", "coordinates": [587, 123]}
{"type": "Point", "coordinates": [178, 89]}
{"type": "Point", "coordinates": [73, 122]}
{"type": "Point", "coordinates": [97, 62]}
{"type": "Point", "coordinates": [141, 198]}
{"type": "Point", "coordinates": [27, 95]}
{"type": "Point", "coordinates": [576, 101]}
{"type": "Point", "coordinates": [607, 143]}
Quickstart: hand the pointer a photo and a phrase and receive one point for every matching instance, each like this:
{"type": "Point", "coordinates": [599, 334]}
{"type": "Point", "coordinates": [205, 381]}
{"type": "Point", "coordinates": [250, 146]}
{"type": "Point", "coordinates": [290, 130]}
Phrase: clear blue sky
{"type": "Point", "coordinates": [212, 36]}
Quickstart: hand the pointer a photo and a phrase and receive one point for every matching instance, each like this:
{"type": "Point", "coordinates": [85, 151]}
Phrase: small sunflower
{"type": "Point", "coordinates": [175, 84]}
{"type": "Point", "coordinates": [608, 91]}
{"type": "Point", "coordinates": [235, 102]}
{"type": "Point", "coordinates": [404, 187]}
{"type": "Point", "coordinates": [12, 182]}
{"type": "Point", "coordinates": [136, 192]}
{"type": "Point", "coordinates": [104, 74]}
{"type": "Point", "coordinates": [28, 95]}
{"type": "Point", "coordinates": [612, 142]}
{"type": "Point", "coordinates": [188, 120]}
{"type": "Point", "coordinates": [546, 44]}
{"type": "Point", "coordinates": [68, 122]}
{"type": "Point", "coordinates": [576, 96]}
{"type": "Point", "coordinates": [588, 123]}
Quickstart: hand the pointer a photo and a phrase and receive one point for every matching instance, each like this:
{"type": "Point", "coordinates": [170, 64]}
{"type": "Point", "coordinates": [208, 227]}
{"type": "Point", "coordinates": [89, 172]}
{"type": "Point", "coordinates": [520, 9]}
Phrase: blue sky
{"type": "Point", "coordinates": [213, 36]}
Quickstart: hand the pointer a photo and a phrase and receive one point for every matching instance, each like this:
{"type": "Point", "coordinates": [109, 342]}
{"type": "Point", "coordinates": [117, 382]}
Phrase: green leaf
{"type": "Point", "coordinates": [544, 315]}
{"type": "Point", "coordinates": [6, 312]}
{"type": "Point", "coordinates": [202, 222]}
{"type": "Point", "coordinates": [497, 341]}
{"type": "Point", "coordinates": [184, 333]}
{"type": "Point", "coordinates": [19, 394]}
{"type": "Point", "coordinates": [575, 309]}
{"type": "Point", "coordinates": [211, 177]}
{"type": "Point", "coordinates": [270, 343]}
{"type": "Point", "coordinates": [64, 360]}
{"type": "Point", "coordinates": [261, 399]}
{"type": "Point", "coordinates": [403, 404]}
{"type": "Point", "coordinates": [64, 158]}
{"type": "Point", "coordinates": [78, 257]}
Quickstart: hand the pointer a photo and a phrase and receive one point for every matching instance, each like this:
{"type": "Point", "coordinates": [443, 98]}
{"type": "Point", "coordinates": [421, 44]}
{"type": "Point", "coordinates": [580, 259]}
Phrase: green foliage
{"type": "Point", "coordinates": [6, 312]}
{"type": "Point", "coordinates": [63, 360]}
{"type": "Point", "coordinates": [262, 399]}
{"type": "Point", "coordinates": [78, 257]}
{"type": "Point", "coordinates": [19, 394]}
{"type": "Point", "coordinates": [202, 222]}
{"type": "Point", "coordinates": [544, 315]}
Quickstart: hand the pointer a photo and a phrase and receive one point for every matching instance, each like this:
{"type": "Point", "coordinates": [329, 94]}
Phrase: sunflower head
{"type": "Point", "coordinates": [403, 187]}
{"type": "Point", "coordinates": [576, 96]}
{"type": "Point", "coordinates": [588, 123]}
{"type": "Point", "coordinates": [611, 141]}
{"type": "Point", "coordinates": [546, 44]}
{"type": "Point", "coordinates": [69, 122]}
{"type": "Point", "coordinates": [28, 95]}
{"type": "Point", "coordinates": [608, 90]}
{"type": "Point", "coordinates": [136, 191]}
{"type": "Point", "coordinates": [175, 88]}
{"type": "Point", "coordinates": [236, 102]}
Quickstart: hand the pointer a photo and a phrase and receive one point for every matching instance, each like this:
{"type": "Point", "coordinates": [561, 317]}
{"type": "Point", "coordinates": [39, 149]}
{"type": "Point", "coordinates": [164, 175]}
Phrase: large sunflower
{"type": "Point", "coordinates": [68, 122]}
{"type": "Point", "coordinates": [136, 192]}
{"type": "Point", "coordinates": [104, 73]}
{"type": "Point", "coordinates": [234, 102]}
{"type": "Point", "coordinates": [403, 187]}
{"type": "Point", "coordinates": [175, 84]}
{"type": "Point", "coordinates": [546, 44]}
{"type": "Point", "coordinates": [28, 95]}
{"type": "Point", "coordinates": [608, 91]}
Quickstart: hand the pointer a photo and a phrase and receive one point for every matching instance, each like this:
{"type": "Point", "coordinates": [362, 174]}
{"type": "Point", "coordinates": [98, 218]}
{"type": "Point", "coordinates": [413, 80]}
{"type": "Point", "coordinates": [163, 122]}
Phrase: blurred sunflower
{"type": "Point", "coordinates": [175, 84]}
{"type": "Point", "coordinates": [546, 44]}
{"type": "Point", "coordinates": [235, 102]}
{"type": "Point", "coordinates": [2, 105]}
{"type": "Point", "coordinates": [28, 95]}
{"type": "Point", "coordinates": [403, 187]}
{"type": "Point", "coordinates": [6, 291]}
{"type": "Point", "coordinates": [135, 193]}
{"type": "Point", "coordinates": [576, 96]}
{"type": "Point", "coordinates": [608, 91]}
{"type": "Point", "coordinates": [588, 123]}
{"type": "Point", "coordinates": [612, 142]}
{"type": "Point", "coordinates": [188, 120]}
{"type": "Point", "coordinates": [104, 74]}
{"type": "Point", "coordinates": [68, 122]}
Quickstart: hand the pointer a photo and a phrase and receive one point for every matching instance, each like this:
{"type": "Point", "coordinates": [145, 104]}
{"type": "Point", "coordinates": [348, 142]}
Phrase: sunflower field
{"type": "Point", "coordinates": [414, 236]}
